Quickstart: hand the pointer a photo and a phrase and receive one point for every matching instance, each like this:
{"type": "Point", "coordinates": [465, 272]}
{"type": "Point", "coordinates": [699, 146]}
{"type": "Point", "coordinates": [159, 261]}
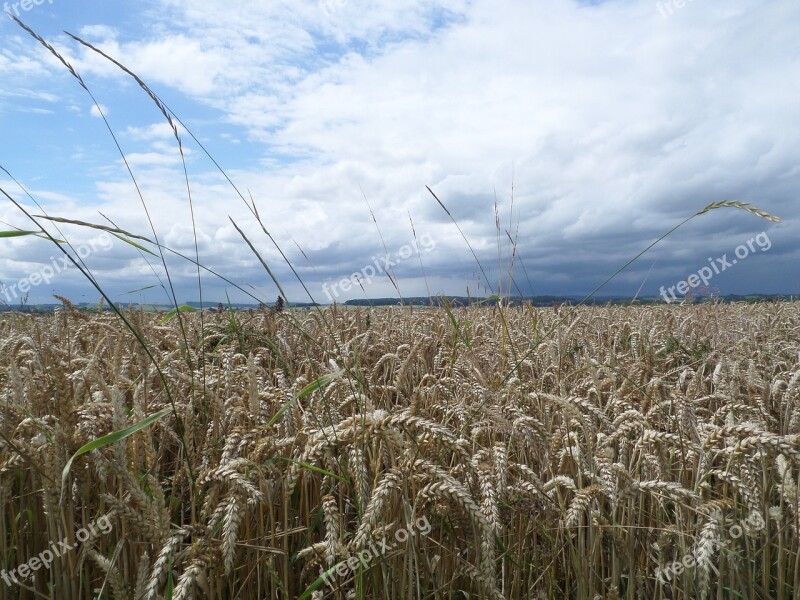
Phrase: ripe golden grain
{"type": "Point", "coordinates": [569, 466]}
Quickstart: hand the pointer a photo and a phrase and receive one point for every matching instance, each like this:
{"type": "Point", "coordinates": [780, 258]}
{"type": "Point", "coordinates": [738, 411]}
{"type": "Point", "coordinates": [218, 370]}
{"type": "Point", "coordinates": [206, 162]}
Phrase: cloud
{"type": "Point", "coordinates": [102, 32]}
{"type": "Point", "coordinates": [155, 131]}
{"type": "Point", "coordinates": [611, 122]}
{"type": "Point", "coordinates": [96, 109]}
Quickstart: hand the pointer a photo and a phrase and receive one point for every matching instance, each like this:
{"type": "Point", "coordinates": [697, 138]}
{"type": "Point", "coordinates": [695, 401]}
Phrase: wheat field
{"type": "Point", "coordinates": [505, 452]}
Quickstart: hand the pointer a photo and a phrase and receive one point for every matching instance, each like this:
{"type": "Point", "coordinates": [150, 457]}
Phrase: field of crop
{"type": "Point", "coordinates": [615, 452]}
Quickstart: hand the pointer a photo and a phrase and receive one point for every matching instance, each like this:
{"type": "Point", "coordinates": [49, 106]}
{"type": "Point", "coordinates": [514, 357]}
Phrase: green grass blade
{"type": "Point", "coordinates": [309, 389]}
{"type": "Point", "coordinates": [134, 244]}
{"type": "Point", "coordinates": [171, 314]}
{"type": "Point", "coordinates": [111, 438]}
{"type": "Point", "coordinates": [147, 287]}
{"type": "Point", "coordinates": [111, 230]}
{"type": "Point", "coordinates": [16, 233]}
{"type": "Point", "coordinates": [261, 260]}
{"type": "Point", "coordinates": [492, 298]}
{"type": "Point", "coordinates": [454, 322]}
{"type": "Point", "coordinates": [319, 581]}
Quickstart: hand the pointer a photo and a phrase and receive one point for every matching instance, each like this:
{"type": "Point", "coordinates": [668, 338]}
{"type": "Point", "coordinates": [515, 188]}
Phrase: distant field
{"type": "Point", "coordinates": [599, 452]}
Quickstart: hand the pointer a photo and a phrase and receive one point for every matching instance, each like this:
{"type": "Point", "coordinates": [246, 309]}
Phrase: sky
{"type": "Point", "coordinates": [314, 135]}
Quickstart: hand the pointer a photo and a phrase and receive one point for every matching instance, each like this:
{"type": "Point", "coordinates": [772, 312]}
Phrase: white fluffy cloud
{"type": "Point", "coordinates": [613, 120]}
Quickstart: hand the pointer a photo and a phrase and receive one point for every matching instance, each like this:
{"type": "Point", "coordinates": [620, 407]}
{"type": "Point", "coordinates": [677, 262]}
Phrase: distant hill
{"type": "Point", "coordinates": [542, 301]}
{"type": "Point", "coordinates": [538, 301]}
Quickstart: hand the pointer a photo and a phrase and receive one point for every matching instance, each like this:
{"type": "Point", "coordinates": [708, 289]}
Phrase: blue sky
{"type": "Point", "coordinates": [613, 120]}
